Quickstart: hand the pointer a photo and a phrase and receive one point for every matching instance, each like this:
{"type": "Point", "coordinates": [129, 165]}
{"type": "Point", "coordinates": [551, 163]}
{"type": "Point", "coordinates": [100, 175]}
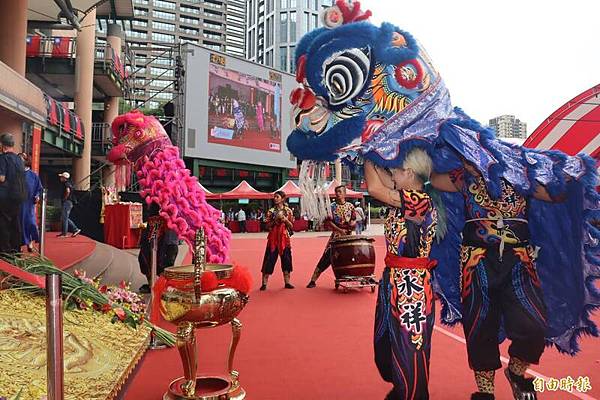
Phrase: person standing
{"type": "Point", "coordinates": [28, 216]}
{"type": "Point", "coordinates": [280, 220]}
{"type": "Point", "coordinates": [13, 192]}
{"type": "Point", "coordinates": [405, 311]}
{"type": "Point", "coordinates": [241, 217]}
{"type": "Point", "coordinates": [67, 205]}
{"type": "Point", "coordinates": [500, 282]}
{"type": "Point", "coordinates": [341, 222]}
{"type": "Point", "coordinates": [360, 218]}
{"type": "Point", "coordinates": [167, 246]}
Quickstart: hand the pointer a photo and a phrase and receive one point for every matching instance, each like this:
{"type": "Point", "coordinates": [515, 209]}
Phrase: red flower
{"type": "Point", "coordinates": [123, 285]}
{"type": "Point", "coordinates": [103, 289]}
{"type": "Point", "coordinates": [120, 313]}
{"type": "Point", "coordinates": [105, 308]}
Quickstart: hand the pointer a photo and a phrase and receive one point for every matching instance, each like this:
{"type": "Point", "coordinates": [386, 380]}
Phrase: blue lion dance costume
{"type": "Point", "coordinates": [372, 93]}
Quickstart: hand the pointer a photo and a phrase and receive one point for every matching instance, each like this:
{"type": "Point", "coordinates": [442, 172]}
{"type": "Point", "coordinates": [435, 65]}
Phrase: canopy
{"type": "Point", "coordinates": [573, 128]}
{"type": "Point", "coordinates": [208, 194]}
{"type": "Point", "coordinates": [291, 189]}
{"type": "Point", "coordinates": [244, 191]}
{"type": "Point", "coordinates": [351, 194]}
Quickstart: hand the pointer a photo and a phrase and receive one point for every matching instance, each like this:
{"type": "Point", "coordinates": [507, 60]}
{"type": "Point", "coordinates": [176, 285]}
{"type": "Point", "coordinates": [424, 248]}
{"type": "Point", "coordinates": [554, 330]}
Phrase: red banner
{"type": "Point", "coordinates": [36, 144]}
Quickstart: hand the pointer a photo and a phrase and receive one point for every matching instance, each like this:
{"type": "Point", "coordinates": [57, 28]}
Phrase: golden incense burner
{"type": "Point", "coordinates": [184, 304]}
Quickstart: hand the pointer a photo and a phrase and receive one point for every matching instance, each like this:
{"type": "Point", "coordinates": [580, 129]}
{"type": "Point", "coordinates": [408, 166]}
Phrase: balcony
{"type": "Point", "coordinates": [65, 130]}
{"type": "Point", "coordinates": [51, 66]}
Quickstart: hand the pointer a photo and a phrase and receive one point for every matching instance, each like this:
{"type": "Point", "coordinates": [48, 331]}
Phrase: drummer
{"type": "Point", "coordinates": [341, 222]}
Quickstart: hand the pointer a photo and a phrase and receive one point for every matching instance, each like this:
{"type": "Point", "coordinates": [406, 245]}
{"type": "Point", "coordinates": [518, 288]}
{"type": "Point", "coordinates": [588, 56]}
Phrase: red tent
{"type": "Point", "coordinates": [351, 194]}
{"type": "Point", "coordinates": [244, 191]}
{"type": "Point", "coordinates": [291, 189]}
{"type": "Point", "coordinates": [208, 194]}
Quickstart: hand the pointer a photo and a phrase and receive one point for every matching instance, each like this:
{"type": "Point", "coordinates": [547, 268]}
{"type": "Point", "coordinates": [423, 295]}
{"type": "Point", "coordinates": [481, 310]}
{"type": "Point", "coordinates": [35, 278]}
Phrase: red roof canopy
{"type": "Point", "coordinates": [291, 189]}
{"type": "Point", "coordinates": [208, 194]}
{"type": "Point", "coordinates": [244, 191]}
{"type": "Point", "coordinates": [351, 194]}
{"type": "Point", "coordinates": [572, 128]}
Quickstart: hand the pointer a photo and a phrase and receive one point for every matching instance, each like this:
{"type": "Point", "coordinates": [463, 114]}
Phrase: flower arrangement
{"type": "Point", "coordinates": [82, 292]}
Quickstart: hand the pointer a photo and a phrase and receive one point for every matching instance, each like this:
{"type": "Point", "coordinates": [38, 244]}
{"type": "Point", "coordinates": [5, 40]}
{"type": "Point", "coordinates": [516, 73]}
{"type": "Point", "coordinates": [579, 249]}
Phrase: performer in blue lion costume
{"type": "Point", "coordinates": [372, 94]}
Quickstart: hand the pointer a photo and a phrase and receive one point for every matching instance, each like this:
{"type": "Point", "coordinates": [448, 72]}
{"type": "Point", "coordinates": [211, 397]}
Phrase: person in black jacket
{"type": "Point", "coordinates": [12, 195]}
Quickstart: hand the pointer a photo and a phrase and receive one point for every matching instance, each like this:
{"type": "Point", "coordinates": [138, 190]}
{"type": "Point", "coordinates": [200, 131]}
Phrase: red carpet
{"type": "Point", "coordinates": [66, 252]}
{"type": "Point", "coordinates": [308, 344]}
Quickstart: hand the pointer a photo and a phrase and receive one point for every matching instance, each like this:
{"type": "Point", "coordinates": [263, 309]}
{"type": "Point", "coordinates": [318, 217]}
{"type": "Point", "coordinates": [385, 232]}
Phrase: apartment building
{"type": "Point", "coordinates": [508, 126]}
{"type": "Point", "coordinates": [274, 27]}
{"type": "Point", "coordinates": [159, 26]}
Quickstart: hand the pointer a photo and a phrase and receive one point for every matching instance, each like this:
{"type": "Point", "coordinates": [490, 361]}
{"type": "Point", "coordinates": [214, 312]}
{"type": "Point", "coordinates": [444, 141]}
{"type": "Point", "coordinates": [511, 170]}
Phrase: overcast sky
{"type": "Point", "coordinates": [521, 57]}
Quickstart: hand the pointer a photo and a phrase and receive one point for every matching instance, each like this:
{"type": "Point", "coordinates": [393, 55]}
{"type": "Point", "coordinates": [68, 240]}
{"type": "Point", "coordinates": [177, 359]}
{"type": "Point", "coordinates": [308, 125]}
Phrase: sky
{"type": "Point", "coordinates": [520, 57]}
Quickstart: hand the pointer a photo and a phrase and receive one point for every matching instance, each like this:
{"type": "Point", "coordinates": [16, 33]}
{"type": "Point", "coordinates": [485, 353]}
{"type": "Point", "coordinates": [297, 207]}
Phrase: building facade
{"type": "Point", "coordinates": [508, 126]}
{"type": "Point", "coordinates": [159, 26]}
{"type": "Point", "coordinates": [274, 27]}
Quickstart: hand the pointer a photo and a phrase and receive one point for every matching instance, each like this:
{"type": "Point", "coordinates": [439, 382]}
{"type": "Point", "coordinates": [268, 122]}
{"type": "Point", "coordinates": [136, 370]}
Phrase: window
{"type": "Point", "coordinates": [140, 12]}
{"type": "Point", "coordinates": [163, 15]}
{"type": "Point", "coordinates": [164, 4]}
{"type": "Point", "coordinates": [143, 2]}
{"type": "Point", "coordinates": [292, 26]}
{"type": "Point", "coordinates": [315, 21]}
{"type": "Point", "coordinates": [269, 6]}
{"type": "Point", "coordinates": [189, 20]}
{"type": "Point", "coordinates": [191, 10]}
{"type": "Point", "coordinates": [213, 46]}
{"type": "Point", "coordinates": [139, 23]}
{"type": "Point", "coordinates": [160, 83]}
{"type": "Point", "coordinates": [283, 4]}
{"type": "Point", "coordinates": [305, 25]}
{"type": "Point", "coordinates": [316, 5]}
{"type": "Point", "coordinates": [215, 5]}
{"type": "Point", "coordinates": [163, 37]}
{"type": "Point", "coordinates": [270, 58]}
{"type": "Point", "coordinates": [163, 26]}
{"type": "Point", "coordinates": [292, 3]}
{"type": "Point", "coordinates": [189, 40]}
{"type": "Point", "coordinates": [189, 31]}
{"type": "Point", "coordinates": [269, 31]}
{"type": "Point", "coordinates": [283, 58]}
{"type": "Point", "coordinates": [283, 27]}
{"type": "Point", "coordinates": [136, 34]}
{"type": "Point", "coordinates": [163, 61]}
{"type": "Point", "coordinates": [211, 35]}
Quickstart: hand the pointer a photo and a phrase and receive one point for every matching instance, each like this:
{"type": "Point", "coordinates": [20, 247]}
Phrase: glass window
{"type": "Point", "coordinates": [139, 23]}
{"type": "Point", "coordinates": [269, 6]}
{"type": "Point", "coordinates": [316, 5]}
{"type": "Point", "coordinates": [283, 58]}
{"type": "Point", "coordinates": [292, 3]}
{"type": "Point", "coordinates": [315, 21]}
{"type": "Point", "coordinates": [292, 26]}
{"type": "Point", "coordinates": [163, 37]}
{"type": "Point", "coordinates": [189, 20]}
{"type": "Point", "coordinates": [305, 25]}
{"type": "Point", "coordinates": [270, 31]}
{"type": "Point", "coordinates": [164, 4]}
{"type": "Point", "coordinates": [143, 2]}
{"type": "Point", "coordinates": [163, 15]}
{"type": "Point", "coordinates": [191, 10]}
{"type": "Point", "coordinates": [189, 31]}
{"type": "Point", "coordinates": [163, 26]}
{"type": "Point", "coordinates": [140, 12]}
{"type": "Point", "coordinates": [283, 4]}
{"type": "Point", "coordinates": [283, 27]}
{"type": "Point", "coordinates": [308, 4]}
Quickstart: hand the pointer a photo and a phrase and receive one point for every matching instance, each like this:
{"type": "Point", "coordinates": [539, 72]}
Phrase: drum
{"type": "Point", "coordinates": [352, 256]}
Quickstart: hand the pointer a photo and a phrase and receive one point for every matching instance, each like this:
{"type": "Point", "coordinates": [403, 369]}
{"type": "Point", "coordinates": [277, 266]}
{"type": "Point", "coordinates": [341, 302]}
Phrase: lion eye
{"type": "Point", "coordinates": [346, 73]}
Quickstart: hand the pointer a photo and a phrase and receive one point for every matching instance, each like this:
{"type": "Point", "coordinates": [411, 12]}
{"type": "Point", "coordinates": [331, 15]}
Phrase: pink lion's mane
{"type": "Point", "coordinates": [166, 181]}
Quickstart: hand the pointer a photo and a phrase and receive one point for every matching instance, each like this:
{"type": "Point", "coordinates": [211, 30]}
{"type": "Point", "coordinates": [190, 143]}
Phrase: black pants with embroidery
{"type": "Point", "coordinates": [501, 293]}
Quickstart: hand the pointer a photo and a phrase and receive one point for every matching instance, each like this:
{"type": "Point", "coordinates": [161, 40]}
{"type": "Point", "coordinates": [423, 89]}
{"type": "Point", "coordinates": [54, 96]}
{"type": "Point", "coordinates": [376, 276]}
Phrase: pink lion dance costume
{"type": "Point", "coordinates": [141, 143]}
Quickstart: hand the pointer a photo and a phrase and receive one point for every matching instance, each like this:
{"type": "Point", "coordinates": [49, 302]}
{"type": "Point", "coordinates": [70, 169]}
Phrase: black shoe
{"type": "Point", "coordinates": [311, 284]}
{"type": "Point", "coordinates": [263, 287]}
{"type": "Point", "coordinates": [144, 289]}
{"type": "Point", "coordinates": [482, 396]}
{"type": "Point", "coordinates": [522, 387]}
{"type": "Point", "coordinates": [289, 286]}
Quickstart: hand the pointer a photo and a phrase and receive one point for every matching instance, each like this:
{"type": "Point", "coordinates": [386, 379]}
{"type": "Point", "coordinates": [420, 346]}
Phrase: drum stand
{"type": "Point", "coordinates": [356, 282]}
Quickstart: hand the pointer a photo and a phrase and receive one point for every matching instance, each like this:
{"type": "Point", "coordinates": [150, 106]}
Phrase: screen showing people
{"type": "Point", "coordinates": [244, 110]}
